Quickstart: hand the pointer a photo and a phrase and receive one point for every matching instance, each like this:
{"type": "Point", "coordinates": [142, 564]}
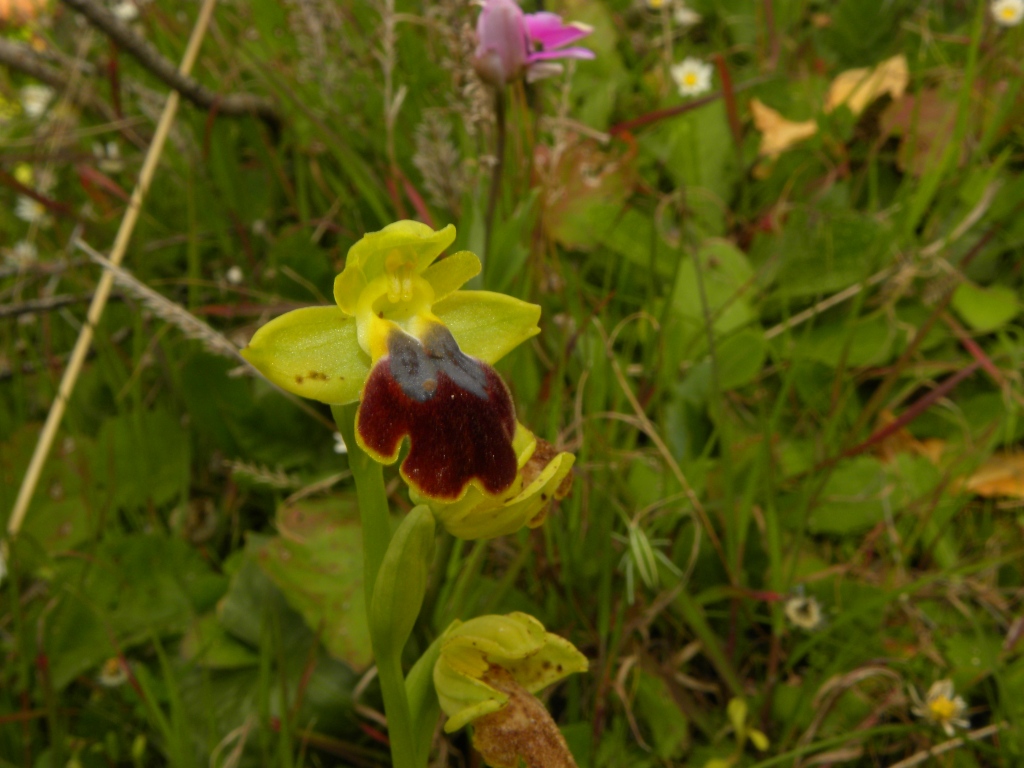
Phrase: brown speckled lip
{"type": "Point", "coordinates": [455, 409]}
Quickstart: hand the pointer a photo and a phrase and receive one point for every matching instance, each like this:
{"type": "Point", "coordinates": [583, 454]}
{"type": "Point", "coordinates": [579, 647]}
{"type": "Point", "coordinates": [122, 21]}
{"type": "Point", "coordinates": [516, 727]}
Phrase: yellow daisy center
{"type": "Point", "coordinates": [942, 709]}
{"type": "Point", "coordinates": [690, 79]}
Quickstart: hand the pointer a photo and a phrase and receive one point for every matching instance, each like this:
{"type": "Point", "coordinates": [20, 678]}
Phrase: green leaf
{"type": "Point", "coordinates": [134, 587]}
{"type": "Point", "coordinates": [667, 726]}
{"type": "Point", "coordinates": [853, 498]}
{"type": "Point", "coordinates": [985, 309]}
{"type": "Point", "coordinates": [312, 352]}
{"type": "Point", "coordinates": [317, 563]}
{"type": "Point", "coordinates": [141, 459]}
{"type": "Point", "coordinates": [62, 512]}
{"type": "Point", "coordinates": [726, 275]}
{"type": "Point", "coordinates": [402, 581]}
{"type": "Point", "coordinates": [740, 358]}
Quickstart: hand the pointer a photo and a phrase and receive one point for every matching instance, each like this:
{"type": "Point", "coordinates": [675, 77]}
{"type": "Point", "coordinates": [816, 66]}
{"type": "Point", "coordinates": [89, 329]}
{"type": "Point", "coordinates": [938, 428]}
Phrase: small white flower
{"type": "Point", "coordinates": [125, 11]}
{"type": "Point", "coordinates": [692, 76]}
{"type": "Point", "coordinates": [30, 210]}
{"type": "Point", "coordinates": [685, 16]}
{"type": "Point", "coordinates": [259, 228]}
{"type": "Point", "coordinates": [339, 444]}
{"type": "Point", "coordinates": [22, 255]}
{"type": "Point", "coordinates": [1008, 12]}
{"type": "Point", "coordinates": [108, 157]}
{"type": "Point", "coordinates": [113, 673]}
{"type": "Point", "coordinates": [941, 706]}
{"type": "Point", "coordinates": [804, 612]}
{"type": "Point", "coordinates": [234, 275]}
{"type": "Point", "coordinates": [35, 99]}
{"type": "Point", "coordinates": [656, 5]}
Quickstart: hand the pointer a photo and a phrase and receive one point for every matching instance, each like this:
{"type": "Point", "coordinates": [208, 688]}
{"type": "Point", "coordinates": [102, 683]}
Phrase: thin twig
{"type": "Point", "coordinates": [167, 310]}
{"type": "Point", "coordinates": [831, 301]}
{"type": "Point", "coordinates": [106, 283]}
{"type": "Point", "coordinates": [47, 304]}
{"type": "Point", "coordinates": [946, 746]}
{"type": "Point", "coordinates": [23, 59]}
{"type": "Point", "coordinates": [231, 104]}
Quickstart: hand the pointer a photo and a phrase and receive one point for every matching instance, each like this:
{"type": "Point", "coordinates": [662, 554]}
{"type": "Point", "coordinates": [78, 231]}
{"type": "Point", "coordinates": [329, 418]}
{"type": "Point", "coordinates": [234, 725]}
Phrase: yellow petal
{"type": "Point", "coordinates": [856, 88]}
{"type": "Point", "coordinates": [402, 243]}
{"type": "Point", "coordinates": [451, 273]}
{"type": "Point", "coordinates": [312, 352]}
{"type": "Point", "coordinates": [488, 325]}
{"type": "Point", "coordinates": [777, 133]}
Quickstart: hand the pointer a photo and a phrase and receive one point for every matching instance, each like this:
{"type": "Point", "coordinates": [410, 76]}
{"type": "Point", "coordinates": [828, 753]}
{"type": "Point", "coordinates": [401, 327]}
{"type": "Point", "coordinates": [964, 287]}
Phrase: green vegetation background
{"type": "Point", "coordinates": [724, 337]}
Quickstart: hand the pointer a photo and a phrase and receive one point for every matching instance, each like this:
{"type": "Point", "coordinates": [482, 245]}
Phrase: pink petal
{"type": "Point", "coordinates": [561, 53]}
{"type": "Point", "coordinates": [549, 30]}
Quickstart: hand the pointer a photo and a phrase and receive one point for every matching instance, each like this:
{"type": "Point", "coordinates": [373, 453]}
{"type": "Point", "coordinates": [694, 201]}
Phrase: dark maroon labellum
{"type": "Point", "coordinates": [455, 409]}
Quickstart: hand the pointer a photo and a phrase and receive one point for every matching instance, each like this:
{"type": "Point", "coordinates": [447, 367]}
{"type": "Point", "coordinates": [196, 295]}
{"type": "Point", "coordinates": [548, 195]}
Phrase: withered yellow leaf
{"type": "Point", "coordinates": [777, 133]}
{"type": "Point", "coordinates": [1001, 476]}
{"type": "Point", "coordinates": [856, 88]}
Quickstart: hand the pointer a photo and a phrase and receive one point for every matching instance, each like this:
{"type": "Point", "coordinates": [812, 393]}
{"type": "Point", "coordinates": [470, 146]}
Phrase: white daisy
{"type": "Point", "coordinates": [685, 16]}
{"type": "Point", "coordinates": [108, 157]}
{"type": "Point", "coordinates": [113, 673]}
{"type": "Point", "coordinates": [804, 612]}
{"type": "Point", "coordinates": [22, 255]}
{"type": "Point", "coordinates": [35, 99]}
{"type": "Point", "coordinates": [1008, 12]}
{"type": "Point", "coordinates": [30, 210]}
{"type": "Point", "coordinates": [692, 75]}
{"type": "Point", "coordinates": [125, 11]}
{"type": "Point", "coordinates": [941, 706]}
{"type": "Point", "coordinates": [339, 444]}
{"type": "Point", "coordinates": [234, 275]}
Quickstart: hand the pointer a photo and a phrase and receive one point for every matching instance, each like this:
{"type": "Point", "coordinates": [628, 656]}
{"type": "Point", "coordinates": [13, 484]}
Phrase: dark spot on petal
{"type": "Point", "coordinates": [318, 376]}
{"type": "Point", "coordinates": [543, 497]}
{"type": "Point", "coordinates": [298, 379]}
{"type": "Point", "coordinates": [559, 668]}
{"type": "Point", "coordinates": [455, 410]}
{"type": "Point", "coordinates": [546, 664]}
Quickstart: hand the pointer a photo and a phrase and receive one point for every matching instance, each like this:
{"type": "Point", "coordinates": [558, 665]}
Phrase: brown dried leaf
{"type": "Point", "coordinates": [856, 88]}
{"type": "Point", "coordinates": [925, 124]}
{"type": "Point", "coordinates": [777, 133]}
{"type": "Point", "coordinates": [1002, 476]}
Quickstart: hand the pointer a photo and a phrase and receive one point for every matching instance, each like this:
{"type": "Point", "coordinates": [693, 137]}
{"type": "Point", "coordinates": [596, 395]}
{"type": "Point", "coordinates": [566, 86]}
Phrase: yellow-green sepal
{"type": "Point", "coordinates": [488, 325]}
{"type": "Point", "coordinates": [516, 642]}
{"type": "Point", "coordinates": [312, 352]}
{"type": "Point", "coordinates": [404, 242]}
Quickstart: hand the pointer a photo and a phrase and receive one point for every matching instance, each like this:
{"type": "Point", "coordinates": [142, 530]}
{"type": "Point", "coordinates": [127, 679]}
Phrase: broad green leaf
{"type": "Point", "coordinates": [726, 275]}
{"type": "Point", "coordinates": [317, 562]}
{"type": "Point", "coordinates": [63, 511]}
{"type": "Point", "coordinates": [142, 459]}
{"type": "Point", "coordinates": [853, 499]}
{"type": "Point", "coordinates": [986, 309]}
{"type": "Point", "coordinates": [666, 727]}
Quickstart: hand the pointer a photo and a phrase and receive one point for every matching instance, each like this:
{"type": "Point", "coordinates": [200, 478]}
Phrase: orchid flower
{"type": "Point", "coordinates": [487, 673]}
{"type": "Point", "coordinates": [511, 43]}
{"type": "Point", "coordinates": [416, 353]}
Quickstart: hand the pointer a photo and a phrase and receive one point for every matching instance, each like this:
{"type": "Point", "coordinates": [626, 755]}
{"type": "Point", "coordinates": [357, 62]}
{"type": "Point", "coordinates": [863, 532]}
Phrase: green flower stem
{"type": "Point", "coordinates": [374, 516]}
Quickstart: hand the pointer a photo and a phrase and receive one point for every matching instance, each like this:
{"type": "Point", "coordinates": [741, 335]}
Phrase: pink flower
{"type": "Point", "coordinates": [510, 42]}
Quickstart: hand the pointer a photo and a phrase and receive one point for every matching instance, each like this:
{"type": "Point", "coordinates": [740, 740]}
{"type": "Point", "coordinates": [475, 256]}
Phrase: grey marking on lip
{"type": "Point", "coordinates": [416, 367]}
